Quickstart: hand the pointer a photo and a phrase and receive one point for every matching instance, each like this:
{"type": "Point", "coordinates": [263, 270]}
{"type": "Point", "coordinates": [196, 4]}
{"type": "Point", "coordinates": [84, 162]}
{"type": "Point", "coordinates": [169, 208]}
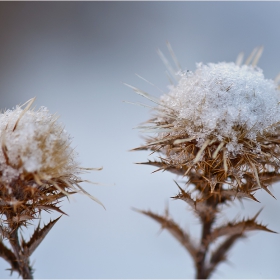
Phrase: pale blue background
{"type": "Point", "coordinates": [74, 57]}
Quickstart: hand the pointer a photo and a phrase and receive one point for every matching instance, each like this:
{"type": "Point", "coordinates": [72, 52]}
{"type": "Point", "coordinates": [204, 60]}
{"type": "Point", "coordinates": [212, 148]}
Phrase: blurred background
{"type": "Point", "coordinates": [74, 57]}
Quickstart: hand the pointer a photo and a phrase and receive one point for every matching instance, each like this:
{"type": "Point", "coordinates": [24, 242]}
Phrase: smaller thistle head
{"type": "Point", "coordinates": [221, 125]}
{"type": "Point", "coordinates": [37, 164]}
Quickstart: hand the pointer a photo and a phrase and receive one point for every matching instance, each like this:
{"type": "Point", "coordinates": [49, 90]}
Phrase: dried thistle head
{"type": "Point", "coordinates": [221, 125]}
{"type": "Point", "coordinates": [37, 164]}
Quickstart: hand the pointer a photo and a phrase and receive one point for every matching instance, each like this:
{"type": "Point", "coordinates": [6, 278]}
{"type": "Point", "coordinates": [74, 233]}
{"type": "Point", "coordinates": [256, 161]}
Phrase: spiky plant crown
{"type": "Point", "coordinates": [37, 165]}
{"type": "Point", "coordinates": [221, 123]}
{"type": "Point", "coordinates": [38, 168]}
{"type": "Point", "coordinates": [219, 127]}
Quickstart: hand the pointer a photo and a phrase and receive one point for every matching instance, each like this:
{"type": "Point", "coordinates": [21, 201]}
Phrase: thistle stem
{"type": "Point", "coordinates": [23, 261]}
{"type": "Point", "coordinates": [201, 269]}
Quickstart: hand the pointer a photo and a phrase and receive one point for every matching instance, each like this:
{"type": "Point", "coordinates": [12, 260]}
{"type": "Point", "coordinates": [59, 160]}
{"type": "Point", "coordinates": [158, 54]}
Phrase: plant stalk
{"type": "Point", "coordinates": [23, 261]}
{"type": "Point", "coordinates": [201, 269]}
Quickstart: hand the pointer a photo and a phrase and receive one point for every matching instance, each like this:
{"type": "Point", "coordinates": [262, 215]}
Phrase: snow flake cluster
{"type": "Point", "coordinates": [221, 100]}
{"type": "Point", "coordinates": [33, 142]}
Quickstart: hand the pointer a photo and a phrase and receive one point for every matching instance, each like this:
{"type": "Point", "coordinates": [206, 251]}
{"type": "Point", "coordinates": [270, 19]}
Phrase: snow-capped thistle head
{"type": "Point", "coordinates": [220, 123]}
{"type": "Point", "coordinates": [220, 127]}
{"type": "Point", "coordinates": [222, 101]}
{"type": "Point", "coordinates": [37, 164]}
{"type": "Point", "coordinates": [34, 143]}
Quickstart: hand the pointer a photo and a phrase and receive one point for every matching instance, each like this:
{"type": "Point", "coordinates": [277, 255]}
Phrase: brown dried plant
{"type": "Point", "coordinates": [219, 128]}
{"type": "Point", "coordinates": [37, 169]}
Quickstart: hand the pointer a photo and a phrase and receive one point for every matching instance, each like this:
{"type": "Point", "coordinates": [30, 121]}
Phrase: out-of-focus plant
{"type": "Point", "coordinates": [219, 128]}
{"type": "Point", "coordinates": [38, 168]}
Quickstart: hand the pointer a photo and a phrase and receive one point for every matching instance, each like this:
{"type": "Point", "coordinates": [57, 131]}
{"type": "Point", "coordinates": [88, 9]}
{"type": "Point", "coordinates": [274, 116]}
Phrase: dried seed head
{"type": "Point", "coordinates": [33, 142]}
{"type": "Point", "coordinates": [37, 164]}
{"type": "Point", "coordinates": [220, 127]}
{"type": "Point", "coordinates": [221, 122]}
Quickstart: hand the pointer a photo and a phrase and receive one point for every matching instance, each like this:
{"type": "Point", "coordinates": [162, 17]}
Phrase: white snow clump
{"type": "Point", "coordinates": [33, 142]}
{"type": "Point", "coordinates": [219, 100]}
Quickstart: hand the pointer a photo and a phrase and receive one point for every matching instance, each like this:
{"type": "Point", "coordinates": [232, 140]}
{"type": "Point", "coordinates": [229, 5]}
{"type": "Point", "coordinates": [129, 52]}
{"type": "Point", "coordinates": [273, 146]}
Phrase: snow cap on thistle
{"type": "Point", "coordinates": [220, 122]}
{"type": "Point", "coordinates": [34, 144]}
{"type": "Point", "coordinates": [37, 164]}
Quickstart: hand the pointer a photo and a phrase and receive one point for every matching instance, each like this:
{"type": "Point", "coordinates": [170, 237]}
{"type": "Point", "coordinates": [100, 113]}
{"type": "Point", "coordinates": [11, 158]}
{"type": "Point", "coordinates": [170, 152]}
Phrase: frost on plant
{"type": "Point", "coordinates": [38, 168]}
{"type": "Point", "coordinates": [220, 127]}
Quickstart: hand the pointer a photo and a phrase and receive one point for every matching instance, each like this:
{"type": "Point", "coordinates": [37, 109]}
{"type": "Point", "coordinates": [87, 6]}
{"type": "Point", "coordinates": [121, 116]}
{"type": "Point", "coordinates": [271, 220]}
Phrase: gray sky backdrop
{"type": "Point", "coordinates": [74, 56]}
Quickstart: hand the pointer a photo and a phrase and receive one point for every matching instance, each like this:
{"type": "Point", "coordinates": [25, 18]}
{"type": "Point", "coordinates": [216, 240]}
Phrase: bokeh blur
{"type": "Point", "coordinates": [74, 57]}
